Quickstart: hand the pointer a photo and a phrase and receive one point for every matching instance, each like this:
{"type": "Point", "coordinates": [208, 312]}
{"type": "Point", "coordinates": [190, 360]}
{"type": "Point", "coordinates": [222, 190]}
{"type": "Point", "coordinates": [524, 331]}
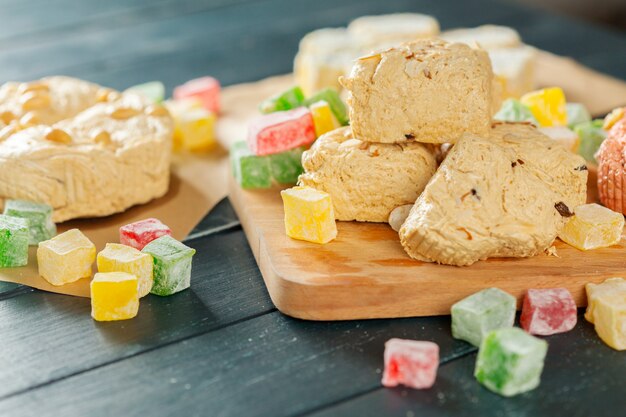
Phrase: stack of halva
{"type": "Point", "coordinates": [503, 190]}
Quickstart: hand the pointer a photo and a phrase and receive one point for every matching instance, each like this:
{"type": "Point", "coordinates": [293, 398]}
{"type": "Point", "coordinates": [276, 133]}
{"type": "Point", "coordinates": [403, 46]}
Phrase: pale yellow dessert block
{"type": "Point", "coordinates": [66, 258]}
{"type": "Point", "coordinates": [562, 135]}
{"type": "Point", "coordinates": [309, 215]}
{"type": "Point", "coordinates": [121, 258]}
{"type": "Point", "coordinates": [194, 126]}
{"type": "Point", "coordinates": [323, 118]}
{"type": "Point", "coordinates": [606, 309]}
{"type": "Point", "coordinates": [593, 226]}
{"type": "Point", "coordinates": [114, 296]}
{"type": "Point", "coordinates": [547, 105]}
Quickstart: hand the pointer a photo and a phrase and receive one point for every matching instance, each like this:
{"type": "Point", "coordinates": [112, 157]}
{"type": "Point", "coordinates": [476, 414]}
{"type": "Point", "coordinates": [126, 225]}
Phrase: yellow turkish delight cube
{"type": "Point", "coordinates": [323, 118]}
{"type": "Point", "coordinates": [593, 226]}
{"type": "Point", "coordinates": [309, 215]}
{"type": "Point", "coordinates": [66, 258]}
{"type": "Point", "coordinates": [122, 258]}
{"type": "Point", "coordinates": [606, 309]}
{"type": "Point", "coordinates": [114, 296]}
{"type": "Point", "coordinates": [194, 126]}
{"type": "Point", "coordinates": [547, 105]}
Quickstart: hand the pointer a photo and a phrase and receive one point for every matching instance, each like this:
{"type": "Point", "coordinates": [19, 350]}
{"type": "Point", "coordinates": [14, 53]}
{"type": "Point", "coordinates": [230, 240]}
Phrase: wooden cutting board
{"type": "Point", "coordinates": [365, 273]}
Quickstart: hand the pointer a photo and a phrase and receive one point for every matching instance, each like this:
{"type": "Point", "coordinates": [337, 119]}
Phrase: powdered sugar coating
{"type": "Point", "coordinates": [137, 235]}
{"type": "Point", "coordinates": [548, 311]}
{"type": "Point", "coordinates": [411, 363]}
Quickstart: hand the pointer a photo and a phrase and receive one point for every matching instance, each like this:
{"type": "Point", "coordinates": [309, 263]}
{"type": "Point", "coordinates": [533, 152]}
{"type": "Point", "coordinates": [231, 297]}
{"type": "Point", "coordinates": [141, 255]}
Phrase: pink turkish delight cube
{"type": "Point", "coordinates": [548, 311]}
{"type": "Point", "coordinates": [139, 234]}
{"type": "Point", "coordinates": [205, 89]}
{"type": "Point", "coordinates": [411, 363]}
{"type": "Point", "coordinates": [281, 131]}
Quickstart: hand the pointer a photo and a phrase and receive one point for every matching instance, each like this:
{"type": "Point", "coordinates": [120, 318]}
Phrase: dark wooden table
{"type": "Point", "coordinates": [221, 348]}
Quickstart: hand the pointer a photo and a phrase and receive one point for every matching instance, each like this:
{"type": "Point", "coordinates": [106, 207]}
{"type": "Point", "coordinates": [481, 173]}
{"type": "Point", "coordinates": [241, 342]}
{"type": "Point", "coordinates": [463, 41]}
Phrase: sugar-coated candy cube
{"type": "Point", "coordinates": [513, 110]}
{"type": "Point", "coordinates": [577, 113]}
{"type": "Point", "coordinates": [562, 135]}
{"type": "Point", "coordinates": [475, 316]}
{"type": "Point", "coordinates": [287, 100]}
{"type": "Point", "coordinates": [114, 296]}
{"type": "Point", "coordinates": [606, 309]}
{"type": "Point", "coordinates": [309, 215]}
{"type": "Point", "coordinates": [39, 216]}
{"type": "Point", "coordinates": [14, 237]}
{"type": "Point", "coordinates": [172, 265]}
{"type": "Point", "coordinates": [323, 118]}
{"type": "Point", "coordinates": [281, 131]}
{"type": "Point", "coordinates": [66, 258]}
{"type": "Point", "coordinates": [547, 105]}
{"type": "Point", "coordinates": [205, 89]}
{"type": "Point", "coordinates": [249, 170]}
{"type": "Point", "coordinates": [140, 233]}
{"type": "Point", "coordinates": [286, 166]}
{"type": "Point", "coordinates": [153, 91]}
{"type": "Point", "coordinates": [591, 135]}
{"type": "Point", "coordinates": [510, 361]}
{"type": "Point", "coordinates": [337, 106]}
{"type": "Point", "coordinates": [121, 258]}
{"type": "Point", "coordinates": [514, 69]}
{"type": "Point", "coordinates": [593, 226]}
{"type": "Point", "coordinates": [194, 126]}
{"type": "Point", "coordinates": [548, 311]}
{"type": "Point", "coordinates": [411, 363]}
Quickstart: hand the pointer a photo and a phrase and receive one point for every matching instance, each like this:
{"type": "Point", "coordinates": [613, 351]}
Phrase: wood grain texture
{"type": "Point", "coordinates": [365, 273]}
{"type": "Point", "coordinates": [266, 366]}
{"type": "Point", "coordinates": [582, 377]}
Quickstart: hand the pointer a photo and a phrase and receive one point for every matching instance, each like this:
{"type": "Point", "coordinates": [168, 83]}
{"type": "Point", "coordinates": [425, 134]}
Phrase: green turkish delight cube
{"type": "Point", "coordinates": [249, 170]}
{"type": "Point", "coordinates": [286, 166]}
{"type": "Point", "coordinates": [475, 316]}
{"type": "Point", "coordinates": [510, 361]}
{"type": "Point", "coordinates": [39, 218]}
{"type": "Point", "coordinates": [576, 113]}
{"type": "Point", "coordinates": [591, 137]}
{"type": "Point", "coordinates": [172, 265]}
{"type": "Point", "coordinates": [287, 100]}
{"type": "Point", "coordinates": [515, 111]}
{"type": "Point", "coordinates": [14, 237]}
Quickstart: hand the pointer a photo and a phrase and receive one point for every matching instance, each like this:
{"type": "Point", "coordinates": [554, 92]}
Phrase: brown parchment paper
{"type": "Point", "coordinates": [198, 182]}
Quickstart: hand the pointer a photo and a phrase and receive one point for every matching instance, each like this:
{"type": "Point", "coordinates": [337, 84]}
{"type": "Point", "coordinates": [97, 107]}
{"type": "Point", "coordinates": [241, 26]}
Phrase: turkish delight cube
{"type": "Point", "coordinates": [606, 309]}
{"type": "Point", "coordinates": [66, 258]}
{"type": "Point", "coordinates": [39, 216]}
{"type": "Point", "coordinates": [287, 100]}
{"type": "Point", "coordinates": [286, 166]}
{"type": "Point", "coordinates": [336, 104]}
{"type": "Point", "coordinates": [576, 113]}
{"type": "Point", "coordinates": [309, 215]}
{"type": "Point", "coordinates": [593, 226]}
{"type": "Point", "coordinates": [591, 136]}
{"type": "Point", "coordinates": [114, 296]}
{"type": "Point", "coordinates": [510, 361]}
{"type": "Point", "coordinates": [548, 311]}
{"type": "Point", "coordinates": [121, 258]}
{"type": "Point", "coordinates": [548, 106]}
{"type": "Point", "coordinates": [140, 233]}
{"type": "Point", "coordinates": [475, 316]}
{"type": "Point", "coordinates": [250, 170]}
{"type": "Point", "coordinates": [172, 265]}
{"type": "Point", "coordinates": [153, 91]}
{"type": "Point", "coordinates": [411, 363]}
{"type": "Point", "coordinates": [323, 118]}
{"type": "Point", "coordinates": [513, 110]}
{"type": "Point", "coordinates": [281, 131]}
{"type": "Point", "coordinates": [205, 89]}
{"type": "Point", "coordinates": [14, 238]}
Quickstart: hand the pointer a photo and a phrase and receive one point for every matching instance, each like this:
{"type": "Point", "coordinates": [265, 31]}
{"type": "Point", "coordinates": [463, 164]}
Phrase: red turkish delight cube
{"type": "Point", "coordinates": [411, 363]}
{"type": "Point", "coordinates": [205, 89]}
{"type": "Point", "coordinates": [139, 234]}
{"type": "Point", "coordinates": [548, 311]}
{"type": "Point", "coordinates": [281, 131]}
